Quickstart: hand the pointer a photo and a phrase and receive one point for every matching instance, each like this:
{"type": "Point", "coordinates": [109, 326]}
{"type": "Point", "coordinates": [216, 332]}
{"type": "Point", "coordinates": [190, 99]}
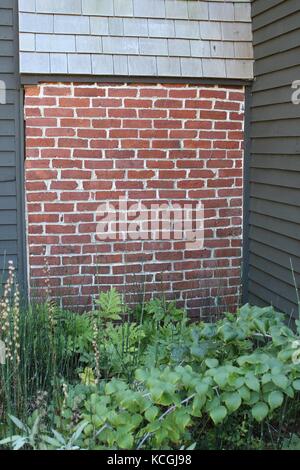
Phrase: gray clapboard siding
{"type": "Point", "coordinates": [11, 181]}
{"type": "Point", "coordinates": [274, 220]}
{"type": "Point", "coordinates": [180, 38]}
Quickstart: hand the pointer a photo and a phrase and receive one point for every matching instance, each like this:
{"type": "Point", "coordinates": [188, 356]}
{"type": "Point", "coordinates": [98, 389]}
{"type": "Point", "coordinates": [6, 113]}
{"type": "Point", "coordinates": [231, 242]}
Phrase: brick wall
{"type": "Point", "coordinates": [86, 144]}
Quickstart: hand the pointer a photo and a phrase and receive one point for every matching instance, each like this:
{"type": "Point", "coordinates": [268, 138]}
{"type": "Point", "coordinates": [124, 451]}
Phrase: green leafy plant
{"type": "Point", "coordinates": [116, 378]}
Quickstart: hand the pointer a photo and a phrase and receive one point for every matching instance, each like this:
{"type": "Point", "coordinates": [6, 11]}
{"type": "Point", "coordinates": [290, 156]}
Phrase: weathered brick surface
{"type": "Point", "coordinates": [86, 144]}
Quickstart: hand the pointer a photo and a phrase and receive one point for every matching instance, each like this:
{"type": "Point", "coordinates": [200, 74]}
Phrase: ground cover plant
{"type": "Point", "coordinates": [145, 377]}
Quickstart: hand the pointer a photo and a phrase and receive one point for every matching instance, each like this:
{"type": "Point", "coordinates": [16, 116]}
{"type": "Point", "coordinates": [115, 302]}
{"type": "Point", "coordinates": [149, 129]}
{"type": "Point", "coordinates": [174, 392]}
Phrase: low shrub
{"type": "Point", "coordinates": [116, 378]}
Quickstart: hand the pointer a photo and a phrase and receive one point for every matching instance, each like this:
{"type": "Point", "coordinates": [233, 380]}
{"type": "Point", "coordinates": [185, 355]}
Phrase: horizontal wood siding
{"type": "Point", "coordinates": [11, 213]}
{"type": "Point", "coordinates": [274, 232]}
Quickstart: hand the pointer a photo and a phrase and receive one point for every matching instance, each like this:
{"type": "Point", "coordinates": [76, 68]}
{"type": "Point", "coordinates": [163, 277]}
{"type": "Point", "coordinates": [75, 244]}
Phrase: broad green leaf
{"type": "Point", "coordinates": [280, 380]}
{"type": "Point", "coordinates": [236, 382]}
{"type": "Point", "coordinates": [212, 404]}
{"type": "Point", "coordinates": [254, 398]}
{"type": "Point", "coordinates": [244, 392]}
{"type": "Point", "coordinates": [202, 388]}
{"type": "Point", "coordinates": [151, 413]}
{"type": "Point", "coordinates": [232, 401]}
{"type": "Point", "coordinates": [266, 378]}
{"type": "Point", "coordinates": [156, 394]}
{"type": "Point", "coordinates": [252, 382]}
{"type": "Point", "coordinates": [182, 418]}
{"type": "Point", "coordinates": [275, 399]}
{"type": "Point", "coordinates": [218, 414]}
{"type": "Point", "coordinates": [221, 378]}
{"type": "Point", "coordinates": [211, 363]}
{"type": "Point", "coordinates": [125, 441]}
{"type": "Point", "coordinates": [296, 384]}
{"type": "Point", "coordinates": [289, 391]}
{"type": "Point", "coordinates": [198, 403]}
{"type": "Point", "coordinates": [260, 411]}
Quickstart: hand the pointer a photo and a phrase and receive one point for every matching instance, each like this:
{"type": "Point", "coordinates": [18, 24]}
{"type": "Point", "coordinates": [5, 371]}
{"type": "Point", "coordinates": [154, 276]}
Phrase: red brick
{"type": "Point", "coordinates": [190, 164]}
{"type": "Point", "coordinates": [183, 134]}
{"type": "Point", "coordinates": [154, 134]}
{"type": "Point", "coordinates": [227, 105]}
{"type": "Point", "coordinates": [55, 153]}
{"type": "Point", "coordinates": [41, 174]}
{"type": "Point", "coordinates": [183, 114]}
{"type": "Point", "coordinates": [104, 143]}
{"type": "Point", "coordinates": [34, 132]}
{"type": "Point", "coordinates": [97, 185]}
{"type": "Point", "coordinates": [123, 134]}
{"type": "Point", "coordinates": [91, 112]}
{"type": "Point", "coordinates": [72, 143]}
{"type": "Point", "coordinates": [40, 101]}
{"type": "Point", "coordinates": [236, 116]}
{"type": "Point", "coordinates": [60, 132]}
{"type": "Point", "coordinates": [89, 91]}
{"type": "Point", "coordinates": [168, 103]}
{"type": "Point", "coordinates": [167, 124]}
{"type": "Point", "coordinates": [152, 154]}
{"type": "Point", "coordinates": [137, 103]}
{"type": "Point", "coordinates": [214, 115]}
{"type": "Point", "coordinates": [136, 144]}
{"type": "Point", "coordinates": [68, 185]}
{"type": "Point", "coordinates": [33, 112]}
{"type": "Point", "coordinates": [198, 104]}
{"type": "Point", "coordinates": [87, 153]}
{"type": "Point", "coordinates": [159, 164]}
{"type": "Point", "coordinates": [75, 122]}
{"type": "Point", "coordinates": [172, 174]}
{"type": "Point", "coordinates": [228, 125]}
{"type": "Point", "coordinates": [57, 91]}
{"type": "Point", "coordinates": [106, 123]}
{"type": "Point", "coordinates": [91, 133]}
{"type": "Point", "coordinates": [190, 184]}
{"type": "Point", "coordinates": [122, 92]}
{"type": "Point", "coordinates": [35, 186]}
{"type": "Point", "coordinates": [32, 90]}
{"type": "Point", "coordinates": [236, 96]}
{"type": "Point", "coordinates": [224, 144]}
{"type": "Point", "coordinates": [213, 94]}
{"type": "Point", "coordinates": [183, 93]}
{"type": "Point", "coordinates": [75, 174]}
{"type": "Point", "coordinates": [42, 196]}
{"type": "Point", "coordinates": [122, 113]}
{"type": "Point", "coordinates": [74, 102]}
{"type": "Point", "coordinates": [106, 103]}
{"type": "Point", "coordinates": [115, 140]}
{"type": "Point", "coordinates": [140, 174]}
{"type": "Point", "coordinates": [110, 174]}
{"type": "Point", "coordinates": [165, 144]}
{"type": "Point", "coordinates": [59, 208]}
{"type": "Point", "coordinates": [200, 144]}
{"type": "Point", "coordinates": [153, 92]}
{"type": "Point", "coordinates": [39, 142]}
{"type": "Point", "coordinates": [137, 123]}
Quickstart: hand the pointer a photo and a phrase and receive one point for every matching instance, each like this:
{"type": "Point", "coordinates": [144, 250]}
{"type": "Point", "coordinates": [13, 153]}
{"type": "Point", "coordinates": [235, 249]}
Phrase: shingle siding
{"type": "Point", "coordinates": [194, 30]}
{"type": "Point", "coordinates": [274, 242]}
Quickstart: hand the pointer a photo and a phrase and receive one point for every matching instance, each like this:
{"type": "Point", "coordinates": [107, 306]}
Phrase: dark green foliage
{"type": "Point", "coordinates": [119, 379]}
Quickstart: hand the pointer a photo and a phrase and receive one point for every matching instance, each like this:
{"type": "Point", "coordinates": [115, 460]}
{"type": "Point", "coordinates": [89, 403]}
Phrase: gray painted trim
{"type": "Point", "coordinates": [29, 79]}
{"type": "Point", "coordinates": [246, 194]}
{"type": "Point", "coordinates": [20, 159]}
{"type": "Point", "coordinates": [22, 233]}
